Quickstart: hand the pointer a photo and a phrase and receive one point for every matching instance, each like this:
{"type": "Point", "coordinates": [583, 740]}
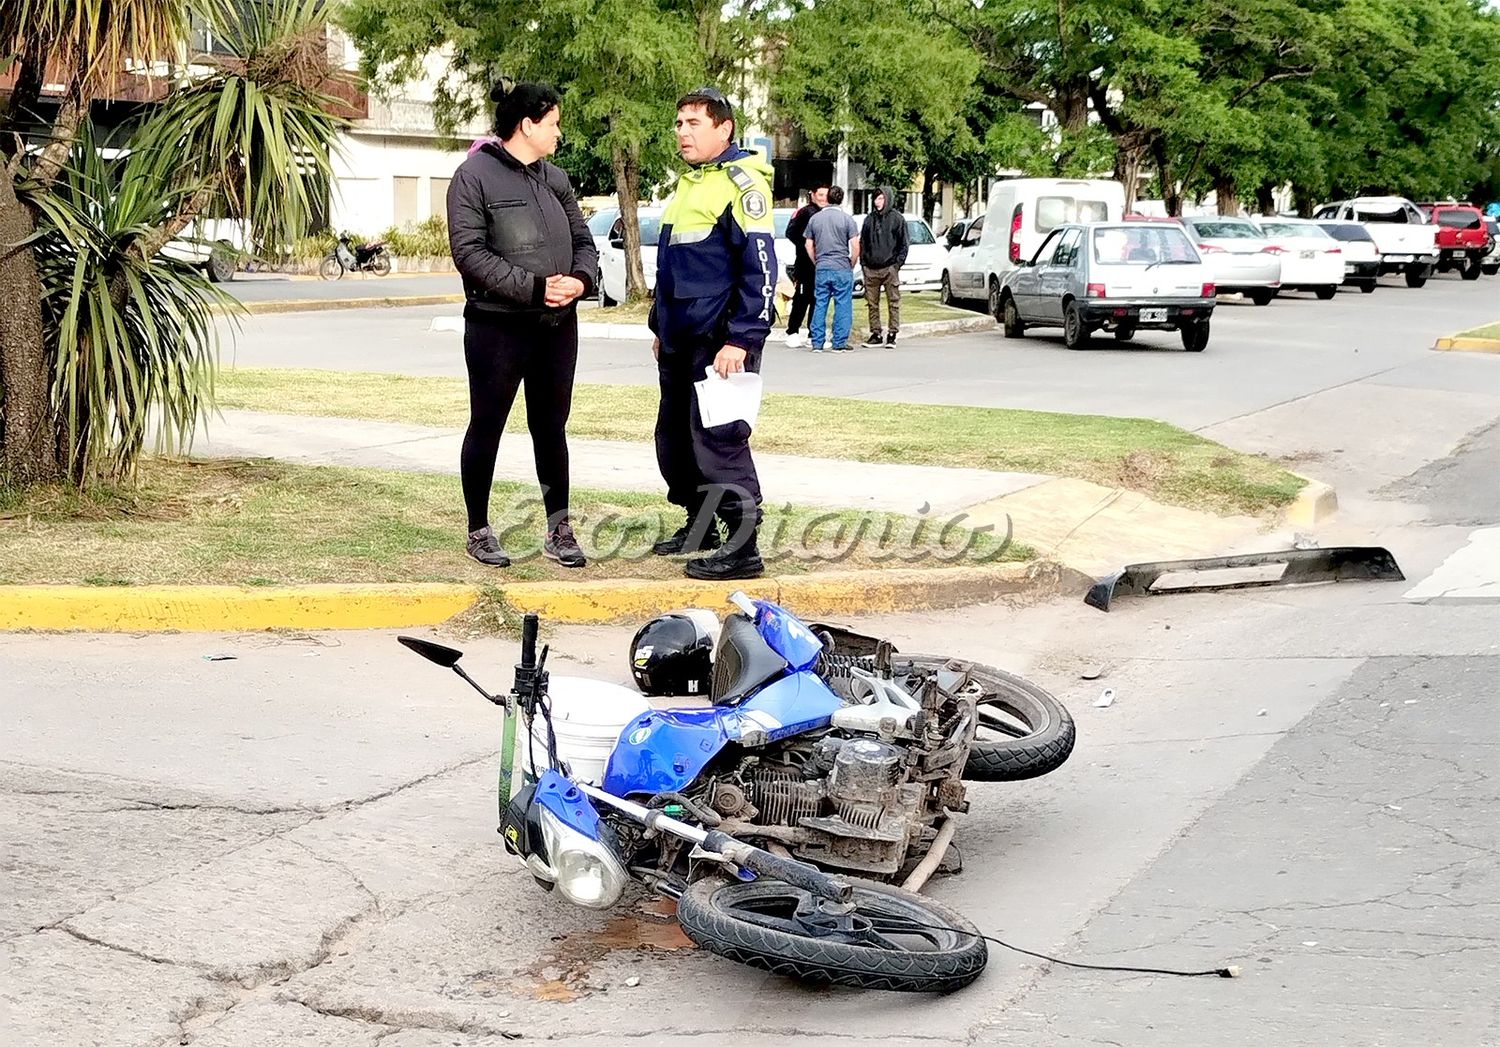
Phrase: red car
{"type": "Point", "coordinates": [1462, 239]}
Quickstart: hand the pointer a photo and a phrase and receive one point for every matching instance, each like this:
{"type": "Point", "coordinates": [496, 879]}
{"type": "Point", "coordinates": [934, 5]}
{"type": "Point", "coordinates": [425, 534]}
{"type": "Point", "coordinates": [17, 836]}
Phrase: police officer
{"type": "Point", "coordinates": [714, 306]}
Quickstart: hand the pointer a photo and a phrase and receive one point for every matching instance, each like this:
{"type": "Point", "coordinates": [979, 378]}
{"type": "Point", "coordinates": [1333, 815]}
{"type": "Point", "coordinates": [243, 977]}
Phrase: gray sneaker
{"type": "Point", "coordinates": [563, 547]}
{"type": "Point", "coordinates": [485, 547]}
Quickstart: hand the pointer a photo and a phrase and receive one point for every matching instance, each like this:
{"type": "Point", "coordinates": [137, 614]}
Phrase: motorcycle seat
{"type": "Point", "coordinates": [743, 663]}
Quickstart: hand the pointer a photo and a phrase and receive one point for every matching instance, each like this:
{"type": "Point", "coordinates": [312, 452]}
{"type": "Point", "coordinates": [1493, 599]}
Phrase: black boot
{"type": "Point", "coordinates": [686, 541]}
{"type": "Point", "coordinates": [729, 563]}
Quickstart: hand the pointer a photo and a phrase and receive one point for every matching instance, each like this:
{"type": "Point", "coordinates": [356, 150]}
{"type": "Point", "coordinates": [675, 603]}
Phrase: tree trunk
{"type": "Point", "coordinates": [64, 132]}
{"type": "Point", "coordinates": [929, 195]}
{"type": "Point", "coordinates": [1168, 188]}
{"type": "Point", "coordinates": [1303, 200]}
{"type": "Point", "coordinates": [627, 170]}
{"type": "Point", "coordinates": [1265, 198]}
{"type": "Point", "coordinates": [1130, 155]}
{"type": "Point", "coordinates": [28, 447]}
{"type": "Point", "coordinates": [1228, 194]}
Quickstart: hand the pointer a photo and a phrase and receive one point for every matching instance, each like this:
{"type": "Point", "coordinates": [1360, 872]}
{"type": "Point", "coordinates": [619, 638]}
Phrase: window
{"type": "Point", "coordinates": [1456, 218]}
{"type": "Point", "coordinates": [972, 233]}
{"type": "Point", "coordinates": [1399, 216]}
{"type": "Point", "coordinates": [404, 201]}
{"type": "Point", "coordinates": [1044, 253]}
{"type": "Point", "coordinates": [781, 219]}
{"type": "Point", "coordinates": [437, 197]}
{"type": "Point", "coordinates": [600, 222]}
{"type": "Point", "coordinates": [1348, 232]}
{"type": "Point", "coordinates": [1067, 249]}
{"type": "Point", "coordinates": [918, 233]}
{"type": "Point", "coordinates": [1142, 245]}
{"type": "Point", "coordinates": [1296, 229]}
{"type": "Point", "coordinates": [1225, 229]}
{"type": "Point", "coordinates": [1053, 211]}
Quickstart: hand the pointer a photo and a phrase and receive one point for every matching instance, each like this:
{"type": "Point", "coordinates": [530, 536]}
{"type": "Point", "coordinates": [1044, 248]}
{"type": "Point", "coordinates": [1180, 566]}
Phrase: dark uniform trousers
{"type": "Point", "coordinates": [708, 471]}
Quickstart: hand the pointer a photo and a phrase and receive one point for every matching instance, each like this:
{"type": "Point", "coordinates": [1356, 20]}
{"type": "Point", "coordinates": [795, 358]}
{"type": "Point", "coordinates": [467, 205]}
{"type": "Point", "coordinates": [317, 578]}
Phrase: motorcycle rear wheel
{"type": "Point", "coordinates": [1023, 733]}
{"type": "Point", "coordinates": [380, 265]}
{"type": "Point", "coordinates": [903, 942]}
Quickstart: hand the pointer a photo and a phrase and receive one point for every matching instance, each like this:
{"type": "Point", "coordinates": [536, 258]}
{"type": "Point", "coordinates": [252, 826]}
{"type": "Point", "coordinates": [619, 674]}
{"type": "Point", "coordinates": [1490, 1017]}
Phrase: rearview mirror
{"type": "Point", "coordinates": [436, 653]}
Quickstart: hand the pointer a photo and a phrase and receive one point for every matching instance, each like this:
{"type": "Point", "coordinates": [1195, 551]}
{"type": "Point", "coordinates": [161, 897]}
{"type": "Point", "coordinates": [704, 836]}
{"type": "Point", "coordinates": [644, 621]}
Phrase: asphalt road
{"type": "Point", "coordinates": [297, 844]}
{"type": "Point", "coordinates": [272, 288]}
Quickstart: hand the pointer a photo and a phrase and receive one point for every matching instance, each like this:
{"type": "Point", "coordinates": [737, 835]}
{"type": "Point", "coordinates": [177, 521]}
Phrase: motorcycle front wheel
{"type": "Point", "coordinates": [330, 268]}
{"type": "Point", "coordinates": [893, 940]}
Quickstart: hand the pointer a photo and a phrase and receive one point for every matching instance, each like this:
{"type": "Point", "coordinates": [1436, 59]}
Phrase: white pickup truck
{"type": "Point", "coordinates": [1407, 242]}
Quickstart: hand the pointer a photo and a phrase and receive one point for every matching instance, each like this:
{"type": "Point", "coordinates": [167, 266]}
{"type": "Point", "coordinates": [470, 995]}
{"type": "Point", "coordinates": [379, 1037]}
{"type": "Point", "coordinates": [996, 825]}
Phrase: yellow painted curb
{"type": "Point", "coordinates": [1314, 504]}
{"type": "Point", "coordinates": [319, 305]}
{"type": "Point", "coordinates": [824, 593]}
{"type": "Point", "coordinates": [224, 608]}
{"type": "Point", "coordinates": [1468, 345]}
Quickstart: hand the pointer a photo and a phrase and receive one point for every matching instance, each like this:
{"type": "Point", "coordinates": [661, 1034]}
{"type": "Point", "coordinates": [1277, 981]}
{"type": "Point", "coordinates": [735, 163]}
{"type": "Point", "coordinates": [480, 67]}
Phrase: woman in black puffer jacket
{"type": "Point", "coordinates": [526, 256]}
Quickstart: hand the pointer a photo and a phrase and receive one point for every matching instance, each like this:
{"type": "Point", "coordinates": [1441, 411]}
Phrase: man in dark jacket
{"type": "Point", "coordinates": [882, 252]}
{"type": "Point", "coordinates": [714, 307]}
{"type": "Point", "coordinates": [803, 272]}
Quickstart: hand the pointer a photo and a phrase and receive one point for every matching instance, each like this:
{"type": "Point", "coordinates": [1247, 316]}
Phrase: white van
{"type": "Point", "coordinates": [1022, 212]}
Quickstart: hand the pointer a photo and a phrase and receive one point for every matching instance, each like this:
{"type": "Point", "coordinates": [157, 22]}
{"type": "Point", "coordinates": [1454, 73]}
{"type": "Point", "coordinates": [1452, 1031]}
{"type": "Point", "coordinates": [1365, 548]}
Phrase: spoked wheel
{"type": "Point", "coordinates": [331, 268]}
{"type": "Point", "coordinates": [1023, 731]}
{"type": "Point", "coordinates": [892, 939]}
{"type": "Point", "coordinates": [380, 265]}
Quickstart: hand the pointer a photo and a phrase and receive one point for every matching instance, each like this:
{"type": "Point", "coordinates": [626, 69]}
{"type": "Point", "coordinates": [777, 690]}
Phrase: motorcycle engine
{"type": "Point", "coordinates": [852, 798]}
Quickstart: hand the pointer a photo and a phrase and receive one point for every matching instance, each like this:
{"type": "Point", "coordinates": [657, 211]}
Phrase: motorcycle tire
{"type": "Point", "coordinates": [754, 924]}
{"type": "Point", "coordinates": [380, 265]}
{"type": "Point", "coordinates": [1001, 751]}
{"type": "Point", "coordinates": [330, 269]}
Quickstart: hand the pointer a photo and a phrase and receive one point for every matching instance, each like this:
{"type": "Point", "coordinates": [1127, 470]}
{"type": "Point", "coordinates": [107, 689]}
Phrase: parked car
{"type": "Point", "coordinates": [1361, 256]}
{"type": "Point", "coordinates": [1112, 276]}
{"type": "Point", "coordinates": [1490, 262]}
{"type": "Point", "coordinates": [600, 223]}
{"type": "Point", "coordinates": [1311, 260]}
{"type": "Point", "coordinates": [1462, 239]}
{"type": "Point", "coordinates": [1407, 242]}
{"type": "Point", "coordinates": [1022, 213]}
{"type": "Point", "coordinates": [612, 257]}
{"type": "Point", "coordinates": [1238, 255]}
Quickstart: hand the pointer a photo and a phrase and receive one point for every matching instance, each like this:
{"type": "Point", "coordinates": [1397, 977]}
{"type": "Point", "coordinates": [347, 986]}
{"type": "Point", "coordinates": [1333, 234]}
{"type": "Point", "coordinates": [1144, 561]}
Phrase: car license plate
{"type": "Point", "coordinates": [1398, 258]}
{"type": "Point", "coordinates": [1308, 255]}
{"type": "Point", "coordinates": [1153, 316]}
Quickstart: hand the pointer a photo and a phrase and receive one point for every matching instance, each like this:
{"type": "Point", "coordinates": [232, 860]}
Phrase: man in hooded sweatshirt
{"type": "Point", "coordinates": [882, 252]}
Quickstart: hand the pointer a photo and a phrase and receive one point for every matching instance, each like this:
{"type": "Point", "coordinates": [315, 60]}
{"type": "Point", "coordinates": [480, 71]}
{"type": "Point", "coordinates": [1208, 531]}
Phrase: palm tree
{"type": "Point", "coordinates": [101, 334]}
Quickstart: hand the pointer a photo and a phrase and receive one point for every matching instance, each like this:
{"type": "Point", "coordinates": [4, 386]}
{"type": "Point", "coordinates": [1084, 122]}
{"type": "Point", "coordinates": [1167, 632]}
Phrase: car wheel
{"type": "Point", "coordinates": [221, 262]}
{"type": "Point", "coordinates": [1195, 336]}
{"type": "Point", "coordinates": [1326, 294]}
{"type": "Point", "coordinates": [1124, 333]}
{"type": "Point", "coordinates": [1416, 278]}
{"type": "Point", "coordinates": [1011, 318]}
{"type": "Point", "coordinates": [1075, 331]}
{"type": "Point", "coordinates": [1471, 271]}
{"type": "Point", "coordinates": [945, 291]}
{"type": "Point", "coordinates": [1263, 295]}
{"type": "Point", "coordinates": [1368, 286]}
{"type": "Point", "coordinates": [1491, 270]}
{"type": "Point", "coordinates": [995, 298]}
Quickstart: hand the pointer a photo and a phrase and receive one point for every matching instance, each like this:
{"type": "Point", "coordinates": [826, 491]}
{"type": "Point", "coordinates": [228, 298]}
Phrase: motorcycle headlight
{"type": "Point", "coordinates": [588, 872]}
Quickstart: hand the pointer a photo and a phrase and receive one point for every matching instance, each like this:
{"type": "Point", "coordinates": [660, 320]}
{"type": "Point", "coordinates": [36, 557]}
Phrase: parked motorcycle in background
{"type": "Point", "coordinates": [795, 816]}
{"type": "Point", "coordinates": [348, 257]}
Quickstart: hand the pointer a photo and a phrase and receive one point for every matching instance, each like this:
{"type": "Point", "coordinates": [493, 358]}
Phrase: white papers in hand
{"type": "Point", "coordinates": [732, 399]}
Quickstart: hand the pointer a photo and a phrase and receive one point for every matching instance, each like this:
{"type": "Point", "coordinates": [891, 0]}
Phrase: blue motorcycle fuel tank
{"type": "Point", "coordinates": [787, 636]}
{"type": "Point", "coordinates": [665, 750]}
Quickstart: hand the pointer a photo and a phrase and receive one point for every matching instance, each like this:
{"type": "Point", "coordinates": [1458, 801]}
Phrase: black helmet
{"type": "Point", "coordinates": [673, 653]}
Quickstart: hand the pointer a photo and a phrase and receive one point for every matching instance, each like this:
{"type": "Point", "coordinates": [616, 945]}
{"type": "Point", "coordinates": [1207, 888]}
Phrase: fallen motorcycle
{"type": "Point", "coordinates": [795, 817]}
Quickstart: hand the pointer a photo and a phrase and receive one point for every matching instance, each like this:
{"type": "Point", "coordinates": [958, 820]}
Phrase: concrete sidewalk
{"type": "Point", "coordinates": [1086, 526]}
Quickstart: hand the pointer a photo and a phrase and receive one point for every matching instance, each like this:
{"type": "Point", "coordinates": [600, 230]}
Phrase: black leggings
{"type": "Point", "coordinates": [802, 297]}
{"type": "Point", "coordinates": [501, 356]}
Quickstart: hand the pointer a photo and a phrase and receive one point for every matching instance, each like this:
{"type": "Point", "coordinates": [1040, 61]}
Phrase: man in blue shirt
{"type": "Point", "coordinates": [833, 243]}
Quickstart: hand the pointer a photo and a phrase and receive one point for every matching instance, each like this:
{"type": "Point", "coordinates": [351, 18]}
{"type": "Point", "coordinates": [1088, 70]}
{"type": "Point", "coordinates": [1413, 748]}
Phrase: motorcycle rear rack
{"type": "Point", "coordinates": [1348, 563]}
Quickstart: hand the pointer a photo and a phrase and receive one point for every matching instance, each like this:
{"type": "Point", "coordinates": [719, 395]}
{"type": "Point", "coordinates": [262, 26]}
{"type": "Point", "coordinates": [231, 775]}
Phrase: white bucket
{"type": "Point", "coordinates": [587, 718]}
